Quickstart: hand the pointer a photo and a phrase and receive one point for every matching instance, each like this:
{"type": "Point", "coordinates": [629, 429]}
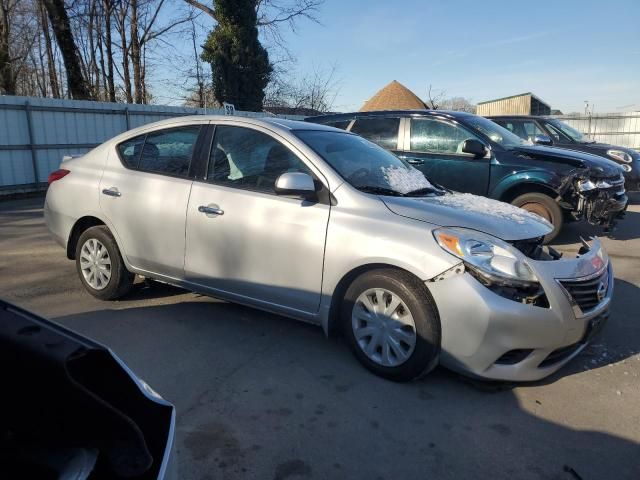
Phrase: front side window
{"type": "Point", "coordinates": [493, 131]}
{"type": "Point", "coordinates": [526, 130]}
{"type": "Point", "coordinates": [560, 129]}
{"type": "Point", "coordinates": [169, 151]}
{"type": "Point", "coordinates": [433, 135]}
{"type": "Point", "coordinates": [383, 131]}
{"type": "Point", "coordinates": [245, 158]}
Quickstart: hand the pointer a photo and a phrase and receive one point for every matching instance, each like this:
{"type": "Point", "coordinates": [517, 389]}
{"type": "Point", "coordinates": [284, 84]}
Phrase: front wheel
{"type": "Point", "coordinates": [544, 206]}
{"type": "Point", "coordinates": [391, 324]}
{"type": "Point", "coordinates": [100, 265]}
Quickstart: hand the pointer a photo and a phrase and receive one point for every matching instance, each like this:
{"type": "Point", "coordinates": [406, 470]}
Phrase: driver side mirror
{"type": "Point", "coordinates": [474, 147]}
{"type": "Point", "coordinates": [296, 184]}
{"type": "Point", "coordinates": [542, 140]}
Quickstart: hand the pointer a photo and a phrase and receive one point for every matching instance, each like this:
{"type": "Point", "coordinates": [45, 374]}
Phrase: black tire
{"type": "Point", "coordinates": [121, 280]}
{"type": "Point", "coordinates": [418, 300]}
{"type": "Point", "coordinates": [546, 207]}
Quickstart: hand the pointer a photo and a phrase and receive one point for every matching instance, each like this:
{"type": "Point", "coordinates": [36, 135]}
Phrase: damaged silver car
{"type": "Point", "coordinates": [321, 225]}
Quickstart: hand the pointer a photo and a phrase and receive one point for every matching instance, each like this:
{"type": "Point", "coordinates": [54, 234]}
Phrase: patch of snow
{"type": "Point", "coordinates": [405, 180]}
{"type": "Point", "coordinates": [487, 206]}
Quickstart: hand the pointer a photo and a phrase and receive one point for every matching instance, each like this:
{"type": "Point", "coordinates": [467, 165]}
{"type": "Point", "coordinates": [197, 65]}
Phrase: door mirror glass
{"type": "Point", "coordinates": [542, 140]}
{"type": "Point", "coordinates": [474, 147]}
{"type": "Point", "coordinates": [295, 183]}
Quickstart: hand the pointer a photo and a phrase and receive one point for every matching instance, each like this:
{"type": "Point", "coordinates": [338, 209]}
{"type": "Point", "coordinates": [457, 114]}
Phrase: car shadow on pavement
{"type": "Point", "coordinates": [261, 396]}
{"type": "Point", "coordinates": [626, 229]}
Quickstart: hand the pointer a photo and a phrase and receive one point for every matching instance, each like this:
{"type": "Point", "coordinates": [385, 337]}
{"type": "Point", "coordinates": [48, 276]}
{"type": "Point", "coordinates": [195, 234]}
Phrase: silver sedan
{"type": "Point", "coordinates": [323, 226]}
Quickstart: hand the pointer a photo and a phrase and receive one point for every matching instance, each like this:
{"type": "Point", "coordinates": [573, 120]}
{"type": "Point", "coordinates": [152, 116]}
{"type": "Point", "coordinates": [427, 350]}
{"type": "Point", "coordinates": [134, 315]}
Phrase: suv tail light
{"type": "Point", "coordinates": [57, 175]}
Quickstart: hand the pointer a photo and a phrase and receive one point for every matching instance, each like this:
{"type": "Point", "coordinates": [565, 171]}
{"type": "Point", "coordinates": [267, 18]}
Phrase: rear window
{"type": "Point", "coordinates": [341, 124]}
{"type": "Point", "coordinates": [164, 151]}
{"type": "Point", "coordinates": [383, 131]}
{"type": "Point", "coordinates": [130, 151]}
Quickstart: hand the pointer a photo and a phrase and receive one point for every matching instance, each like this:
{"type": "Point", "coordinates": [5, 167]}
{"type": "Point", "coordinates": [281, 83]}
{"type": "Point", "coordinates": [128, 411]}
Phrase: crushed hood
{"type": "Point", "coordinates": [598, 166]}
{"type": "Point", "coordinates": [499, 219]}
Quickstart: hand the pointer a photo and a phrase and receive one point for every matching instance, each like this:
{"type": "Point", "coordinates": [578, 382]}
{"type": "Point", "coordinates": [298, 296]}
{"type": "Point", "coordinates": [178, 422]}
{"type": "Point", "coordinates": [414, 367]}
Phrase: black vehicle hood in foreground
{"type": "Point", "coordinates": [599, 167]}
{"type": "Point", "coordinates": [71, 409]}
{"type": "Point", "coordinates": [499, 219]}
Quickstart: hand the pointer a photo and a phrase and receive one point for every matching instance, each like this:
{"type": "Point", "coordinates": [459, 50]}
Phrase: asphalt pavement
{"type": "Point", "coordinates": [260, 396]}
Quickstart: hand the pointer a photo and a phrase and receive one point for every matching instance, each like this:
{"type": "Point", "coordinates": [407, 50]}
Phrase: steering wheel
{"type": "Point", "coordinates": [360, 173]}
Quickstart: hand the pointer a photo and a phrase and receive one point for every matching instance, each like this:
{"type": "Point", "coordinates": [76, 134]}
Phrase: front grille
{"type": "Point", "coordinates": [559, 355]}
{"type": "Point", "coordinates": [587, 294]}
{"type": "Point", "coordinates": [593, 328]}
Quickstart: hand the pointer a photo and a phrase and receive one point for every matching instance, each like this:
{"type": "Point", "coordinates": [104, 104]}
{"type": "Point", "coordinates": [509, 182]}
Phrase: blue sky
{"type": "Point", "coordinates": [564, 51]}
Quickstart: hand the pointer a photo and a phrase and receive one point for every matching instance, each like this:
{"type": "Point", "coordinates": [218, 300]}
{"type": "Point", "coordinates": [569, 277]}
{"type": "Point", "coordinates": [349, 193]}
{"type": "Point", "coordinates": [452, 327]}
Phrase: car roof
{"type": "Point", "coordinates": [272, 122]}
{"type": "Point", "coordinates": [335, 117]}
{"type": "Point", "coordinates": [517, 117]}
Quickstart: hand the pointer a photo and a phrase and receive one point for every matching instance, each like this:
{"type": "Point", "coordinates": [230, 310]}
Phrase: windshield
{"type": "Point", "coordinates": [495, 132]}
{"type": "Point", "coordinates": [570, 132]}
{"type": "Point", "coordinates": [365, 165]}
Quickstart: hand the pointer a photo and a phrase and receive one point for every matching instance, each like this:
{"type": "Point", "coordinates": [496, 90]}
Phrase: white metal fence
{"type": "Point", "coordinates": [35, 133]}
{"type": "Point", "coordinates": [615, 128]}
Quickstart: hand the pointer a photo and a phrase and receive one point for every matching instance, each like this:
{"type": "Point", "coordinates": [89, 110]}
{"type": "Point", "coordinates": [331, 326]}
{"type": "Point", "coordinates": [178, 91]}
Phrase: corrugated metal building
{"type": "Point", "coordinates": [523, 104]}
{"type": "Point", "coordinates": [35, 133]}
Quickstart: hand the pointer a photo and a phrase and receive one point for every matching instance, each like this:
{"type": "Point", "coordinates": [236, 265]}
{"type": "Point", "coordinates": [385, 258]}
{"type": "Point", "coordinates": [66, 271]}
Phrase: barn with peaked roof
{"type": "Point", "coordinates": [394, 96]}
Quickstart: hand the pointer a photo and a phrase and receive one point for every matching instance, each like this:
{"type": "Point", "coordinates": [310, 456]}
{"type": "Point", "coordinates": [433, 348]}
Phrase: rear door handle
{"type": "Point", "coordinates": [210, 210]}
{"type": "Point", "coordinates": [112, 192]}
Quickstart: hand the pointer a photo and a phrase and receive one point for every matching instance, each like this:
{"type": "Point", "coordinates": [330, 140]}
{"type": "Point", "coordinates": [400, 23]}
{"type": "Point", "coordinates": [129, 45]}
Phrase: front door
{"type": "Point", "coordinates": [245, 241]}
{"type": "Point", "coordinates": [435, 148]}
{"type": "Point", "coordinates": [144, 194]}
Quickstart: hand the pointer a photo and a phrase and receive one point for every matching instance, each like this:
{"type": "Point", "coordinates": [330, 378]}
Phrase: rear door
{"type": "Point", "coordinates": [144, 193]}
{"type": "Point", "coordinates": [434, 147]}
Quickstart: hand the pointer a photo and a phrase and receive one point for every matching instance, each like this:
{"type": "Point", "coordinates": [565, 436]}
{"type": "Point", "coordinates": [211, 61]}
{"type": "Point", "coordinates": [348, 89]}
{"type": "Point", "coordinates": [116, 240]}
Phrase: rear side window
{"type": "Point", "coordinates": [383, 131]}
{"type": "Point", "coordinates": [130, 151]}
{"type": "Point", "coordinates": [169, 151]}
{"type": "Point", "coordinates": [165, 151]}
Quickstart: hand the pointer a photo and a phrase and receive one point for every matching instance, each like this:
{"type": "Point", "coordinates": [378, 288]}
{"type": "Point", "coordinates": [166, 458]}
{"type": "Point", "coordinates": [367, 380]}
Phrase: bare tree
{"type": "Point", "coordinates": [435, 98]}
{"type": "Point", "coordinates": [18, 33]}
{"type": "Point", "coordinates": [459, 104]}
{"type": "Point", "coordinates": [316, 91]}
{"type": "Point", "coordinates": [76, 81]}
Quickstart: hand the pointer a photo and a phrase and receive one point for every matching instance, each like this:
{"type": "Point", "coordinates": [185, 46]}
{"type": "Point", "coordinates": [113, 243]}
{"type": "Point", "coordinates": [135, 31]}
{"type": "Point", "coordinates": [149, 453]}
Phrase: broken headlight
{"type": "Point", "coordinates": [491, 257]}
{"type": "Point", "coordinates": [497, 265]}
{"type": "Point", "coordinates": [589, 185]}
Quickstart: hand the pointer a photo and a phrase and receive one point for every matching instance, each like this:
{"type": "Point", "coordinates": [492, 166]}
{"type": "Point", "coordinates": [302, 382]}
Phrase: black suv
{"type": "Point", "coordinates": [551, 131]}
{"type": "Point", "coordinates": [468, 153]}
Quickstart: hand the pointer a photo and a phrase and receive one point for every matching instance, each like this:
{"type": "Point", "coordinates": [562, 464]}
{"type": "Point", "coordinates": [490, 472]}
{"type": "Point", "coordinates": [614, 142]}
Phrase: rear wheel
{"type": "Point", "coordinates": [546, 207]}
{"type": "Point", "coordinates": [100, 265]}
{"type": "Point", "coordinates": [391, 324]}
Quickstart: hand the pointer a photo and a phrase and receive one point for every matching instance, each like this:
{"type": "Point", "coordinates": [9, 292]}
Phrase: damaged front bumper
{"type": "Point", "coordinates": [489, 336]}
{"type": "Point", "coordinates": [600, 202]}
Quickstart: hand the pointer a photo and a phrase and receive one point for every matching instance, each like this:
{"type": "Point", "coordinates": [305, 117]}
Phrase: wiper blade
{"type": "Point", "coordinates": [422, 191]}
{"type": "Point", "coordinates": [379, 190]}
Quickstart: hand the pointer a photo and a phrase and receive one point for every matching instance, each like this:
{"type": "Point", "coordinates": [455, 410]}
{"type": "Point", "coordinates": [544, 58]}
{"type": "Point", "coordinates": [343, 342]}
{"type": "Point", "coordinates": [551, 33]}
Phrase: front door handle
{"type": "Point", "coordinates": [112, 192]}
{"type": "Point", "coordinates": [210, 210]}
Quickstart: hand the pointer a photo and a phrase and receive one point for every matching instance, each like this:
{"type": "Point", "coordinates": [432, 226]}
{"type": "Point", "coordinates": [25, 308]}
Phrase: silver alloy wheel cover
{"type": "Point", "coordinates": [95, 264]}
{"type": "Point", "coordinates": [383, 327]}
